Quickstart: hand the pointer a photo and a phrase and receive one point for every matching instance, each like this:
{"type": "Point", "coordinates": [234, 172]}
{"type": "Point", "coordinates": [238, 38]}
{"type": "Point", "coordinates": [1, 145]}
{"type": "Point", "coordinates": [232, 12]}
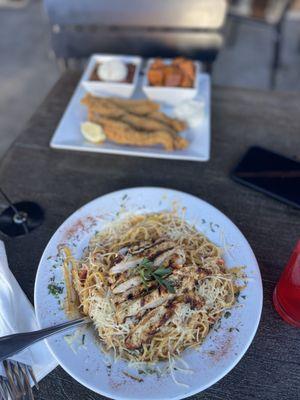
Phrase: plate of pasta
{"type": "Point", "coordinates": [171, 287]}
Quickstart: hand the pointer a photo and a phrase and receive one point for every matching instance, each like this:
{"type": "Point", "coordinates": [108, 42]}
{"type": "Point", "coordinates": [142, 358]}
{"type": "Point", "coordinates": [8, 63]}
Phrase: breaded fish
{"type": "Point", "coordinates": [176, 124]}
{"type": "Point", "coordinates": [138, 107]}
{"type": "Point", "coordinates": [135, 122]}
{"type": "Point", "coordinates": [122, 133]}
{"type": "Point", "coordinates": [154, 121]}
{"type": "Point", "coordinates": [147, 124]}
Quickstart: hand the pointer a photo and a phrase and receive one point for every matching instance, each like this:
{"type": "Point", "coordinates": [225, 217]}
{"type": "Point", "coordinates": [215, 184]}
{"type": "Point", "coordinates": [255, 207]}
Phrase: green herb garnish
{"type": "Point", "coordinates": [148, 272]}
{"type": "Point", "coordinates": [55, 290]}
{"type": "Point", "coordinates": [227, 314]}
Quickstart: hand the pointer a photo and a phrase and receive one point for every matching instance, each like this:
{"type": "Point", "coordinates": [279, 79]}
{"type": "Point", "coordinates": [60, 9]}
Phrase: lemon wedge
{"type": "Point", "coordinates": [92, 132]}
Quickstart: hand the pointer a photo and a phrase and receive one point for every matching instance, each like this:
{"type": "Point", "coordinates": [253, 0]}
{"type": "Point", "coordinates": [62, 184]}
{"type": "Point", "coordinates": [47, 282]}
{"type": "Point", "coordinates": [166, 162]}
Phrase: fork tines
{"type": "Point", "coordinates": [17, 383]}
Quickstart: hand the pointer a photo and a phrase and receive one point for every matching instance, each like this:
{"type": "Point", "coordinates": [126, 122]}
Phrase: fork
{"type": "Point", "coordinates": [17, 383]}
{"type": "Point", "coordinates": [12, 344]}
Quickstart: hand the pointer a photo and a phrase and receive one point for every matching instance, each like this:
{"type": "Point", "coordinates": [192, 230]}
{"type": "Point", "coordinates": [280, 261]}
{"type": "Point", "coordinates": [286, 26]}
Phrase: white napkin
{"type": "Point", "coordinates": [17, 315]}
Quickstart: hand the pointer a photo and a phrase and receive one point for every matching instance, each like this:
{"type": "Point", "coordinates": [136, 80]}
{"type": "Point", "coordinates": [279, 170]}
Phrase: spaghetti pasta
{"type": "Point", "coordinates": [153, 286]}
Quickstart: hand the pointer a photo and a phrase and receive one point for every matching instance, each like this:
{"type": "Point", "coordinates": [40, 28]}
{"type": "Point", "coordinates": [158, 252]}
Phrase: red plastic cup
{"type": "Point", "coordinates": [286, 296]}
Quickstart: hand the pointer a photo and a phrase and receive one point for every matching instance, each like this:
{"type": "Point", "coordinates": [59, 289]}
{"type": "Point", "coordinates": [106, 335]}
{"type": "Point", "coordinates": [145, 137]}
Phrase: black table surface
{"type": "Point", "coordinates": [62, 181]}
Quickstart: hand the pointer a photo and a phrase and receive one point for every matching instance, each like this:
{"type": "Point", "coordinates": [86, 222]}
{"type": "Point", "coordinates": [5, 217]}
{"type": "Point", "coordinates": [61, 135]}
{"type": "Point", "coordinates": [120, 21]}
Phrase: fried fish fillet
{"type": "Point", "coordinates": [138, 107]}
{"type": "Point", "coordinates": [103, 106]}
{"type": "Point", "coordinates": [173, 122]}
{"type": "Point", "coordinates": [107, 109]}
{"type": "Point", "coordinates": [122, 133]}
{"type": "Point", "coordinates": [155, 120]}
{"type": "Point", "coordinates": [147, 124]}
{"type": "Point", "coordinates": [135, 122]}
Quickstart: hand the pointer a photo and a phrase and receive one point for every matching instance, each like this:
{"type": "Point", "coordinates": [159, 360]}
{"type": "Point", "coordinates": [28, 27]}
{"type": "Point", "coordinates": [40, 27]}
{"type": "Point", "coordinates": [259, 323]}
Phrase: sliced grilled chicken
{"type": "Point", "coordinates": [147, 326]}
{"type": "Point", "coordinates": [120, 255]}
{"type": "Point", "coordinates": [176, 257]}
{"type": "Point", "coordinates": [151, 300]}
{"type": "Point", "coordinates": [163, 257]}
{"type": "Point", "coordinates": [181, 314]}
{"type": "Point", "coordinates": [133, 293]}
{"type": "Point", "coordinates": [152, 252]}
{"type": "Point", "coordinates": [158, 249]}
{"type": "Point", "coordinates": [123, 251]}
{"type": "Point", "coordinates": [129, 284]}
{"type": "Point", "coordinates": [141, 247]}
{"type": "Point", "coordinates": [184, 279]}
{"type": "Point", "coordinates": [114, 282]}
{"type": "Point", "coordinates": [195, 301]}
{"type": "Point", "coordinates": [125, 265]}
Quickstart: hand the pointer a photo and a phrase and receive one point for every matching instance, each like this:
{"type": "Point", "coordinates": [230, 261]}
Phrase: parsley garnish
{"type": "Point", "coordinates": [227, 314]}
{"type": "Point", "coordinates": [148, 273]}
{"type": "Point", "coordinates": [55, 290]}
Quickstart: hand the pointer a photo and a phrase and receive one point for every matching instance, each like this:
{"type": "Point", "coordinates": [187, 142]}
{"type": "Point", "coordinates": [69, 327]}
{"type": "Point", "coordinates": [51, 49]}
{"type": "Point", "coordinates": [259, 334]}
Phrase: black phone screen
{"type": "Point", "coordinates": [271, 173]}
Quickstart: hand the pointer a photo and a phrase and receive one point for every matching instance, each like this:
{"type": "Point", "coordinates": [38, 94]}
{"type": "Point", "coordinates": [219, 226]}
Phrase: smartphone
{"type": "Point", "coordinates": [270, 173]}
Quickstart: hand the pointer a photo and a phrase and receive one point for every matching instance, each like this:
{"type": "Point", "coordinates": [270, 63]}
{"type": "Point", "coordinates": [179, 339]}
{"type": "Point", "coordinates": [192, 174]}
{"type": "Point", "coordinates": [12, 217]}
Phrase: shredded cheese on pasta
{"type": "Point", "coordinates": [203, 287]}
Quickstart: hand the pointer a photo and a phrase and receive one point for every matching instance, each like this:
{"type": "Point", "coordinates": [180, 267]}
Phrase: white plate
{"type": "Point", "coordinates": [68, 136]}
{"type": "Point", "coordinates": [222, 349]}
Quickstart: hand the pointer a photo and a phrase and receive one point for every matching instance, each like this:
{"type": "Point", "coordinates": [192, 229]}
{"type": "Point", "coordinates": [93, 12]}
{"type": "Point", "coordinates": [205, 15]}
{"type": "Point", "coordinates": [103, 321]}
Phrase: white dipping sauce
{"type": "Point", "coordinates": [112, 71]}
{"type": "Point", "coordinates": [190, 111]}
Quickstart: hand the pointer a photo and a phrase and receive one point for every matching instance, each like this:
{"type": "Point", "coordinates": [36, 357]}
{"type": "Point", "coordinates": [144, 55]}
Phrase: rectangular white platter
{"type": "Point", "coordinates": [67, 135]}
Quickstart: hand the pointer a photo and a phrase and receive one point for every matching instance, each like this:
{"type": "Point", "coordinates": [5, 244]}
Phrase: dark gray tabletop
{"type": "Point", "coordinates": [62, 181]}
